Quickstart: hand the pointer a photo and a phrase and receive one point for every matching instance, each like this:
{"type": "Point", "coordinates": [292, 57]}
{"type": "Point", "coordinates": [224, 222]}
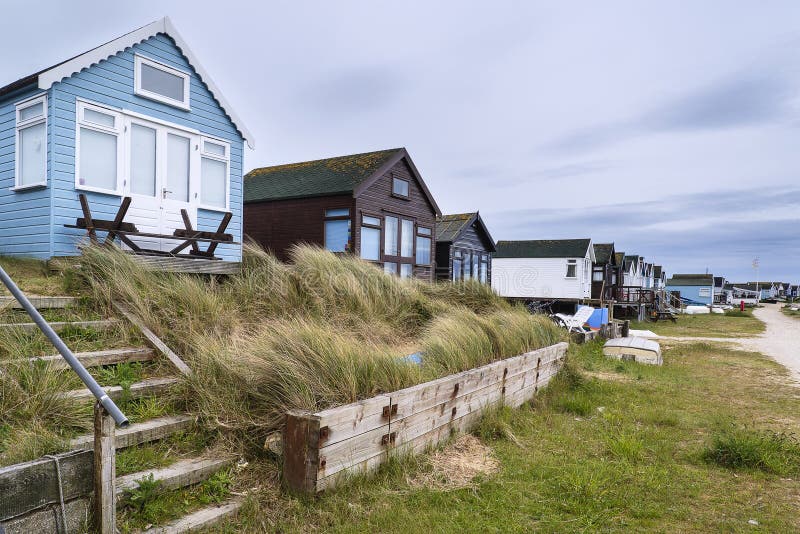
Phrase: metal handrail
{"type": "Point", "coordinates": [65, 352]}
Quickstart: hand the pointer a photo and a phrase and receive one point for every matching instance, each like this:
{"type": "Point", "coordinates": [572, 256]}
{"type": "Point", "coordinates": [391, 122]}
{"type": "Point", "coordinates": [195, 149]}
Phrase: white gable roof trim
{"type": "Point", "coordinates": [165, 26]}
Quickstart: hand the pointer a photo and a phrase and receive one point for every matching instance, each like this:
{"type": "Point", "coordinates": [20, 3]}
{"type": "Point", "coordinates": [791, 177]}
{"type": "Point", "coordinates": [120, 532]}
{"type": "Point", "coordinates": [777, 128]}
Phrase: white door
{"type": "Point", "coordinates": [176, 185]}
{"type": "Point", "coordinates": [159, 181]}
{"type": "Point", "coordinates": [143, 185]}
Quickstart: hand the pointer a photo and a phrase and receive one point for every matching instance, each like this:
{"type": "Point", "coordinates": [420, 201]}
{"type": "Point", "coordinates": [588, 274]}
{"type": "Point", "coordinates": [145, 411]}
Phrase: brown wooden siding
{"type": "Point", "coordinates": [470, 240]}
{"type": "Point", "coordinates": [279, 224]}
{"type": "Point", "coordinates": [378, 200]}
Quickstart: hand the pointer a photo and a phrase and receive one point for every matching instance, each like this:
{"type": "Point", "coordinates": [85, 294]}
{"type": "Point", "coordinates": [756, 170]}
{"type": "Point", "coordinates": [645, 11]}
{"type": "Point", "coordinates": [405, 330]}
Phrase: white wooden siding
{"type": "Point", "coordinates": [541, 278]}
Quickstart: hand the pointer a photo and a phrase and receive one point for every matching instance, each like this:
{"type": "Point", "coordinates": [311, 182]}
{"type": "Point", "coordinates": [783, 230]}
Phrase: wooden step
{"type": "Point", "coordinates": [139, 433]}
{"type": "Point", "coordinates": [145, 388]}
{"type": "Point", "coordinates": [103, 324]}
{"type": "Point", "coordinates": [178, 475]}
{"type": "Point", "coordinates": [40, 303]}
{"type": "Point", "coordinates": [97, 358]}
{"type": "Point", "coordinates": [203, 518]}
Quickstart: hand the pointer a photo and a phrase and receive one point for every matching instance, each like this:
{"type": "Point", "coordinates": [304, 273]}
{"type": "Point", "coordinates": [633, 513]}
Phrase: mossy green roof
{"type": "Point", "coordinates": [602, 253]}
{"type": "Point", "coordinates": [691, 280]}
{"type": "Point", "coordinates": [543, 248]}
{"type": "Point", "coordinates": [322, 177]}
{"type": "Point", "coordinates": [448, 227]}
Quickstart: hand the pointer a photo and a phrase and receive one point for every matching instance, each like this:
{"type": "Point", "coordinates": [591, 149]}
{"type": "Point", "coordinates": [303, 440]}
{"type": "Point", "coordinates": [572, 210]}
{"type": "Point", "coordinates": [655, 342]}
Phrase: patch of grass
{"type": "Point", "coordinates": [788, 311]}
{"type": "Point", "coordinates": [738, 324]}
{"type": "Point", "coordinates": [161, 453]}
{"type": "Point", "coordinates": [32, 276]}
{"type": "Point", "coordinates": [150, 504]}
{"type": "Point", "coordinates": [739, 447]}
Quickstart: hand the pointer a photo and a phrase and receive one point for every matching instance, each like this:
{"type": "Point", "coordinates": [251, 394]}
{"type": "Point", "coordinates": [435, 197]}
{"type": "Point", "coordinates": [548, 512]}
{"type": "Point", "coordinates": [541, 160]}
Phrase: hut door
{"type": "Point", "coordinates": [160, 169]}
{"type": "Point", "coordinates": [176, 184]}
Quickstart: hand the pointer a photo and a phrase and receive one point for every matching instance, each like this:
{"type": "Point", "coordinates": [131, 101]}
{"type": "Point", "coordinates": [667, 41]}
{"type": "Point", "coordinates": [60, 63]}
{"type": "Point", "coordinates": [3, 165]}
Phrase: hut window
{"type": "Point", "coordinates": [214, 165]}
{"type": "Point", "coordinates": [390, 267]}
{"type": "Point", "coordinates": [476, 259]}
{"type": "Point", "coordinates": [370, 238]}
{"type": "Point", "coordinates": [98, 149]}
{"type": "Point", "coordinates": [407, 239]}
{"type": "Point", "coordinates": [399, 187]}
{"type": "Point", "coordinates": [160, 82]}
{"type": "Point", "coordinates": [572, 269]}
{"type": "Point", "coordinates": [405, 270]}
{"type": "Point", "coordinates": [31, 158]}
{"type": "Point", "coordinates": [337, 229]}
{"type": "Point", "coordinates": [456, 269]}
{"type": "Point", "coordinates": [390, 236]}
{"type": "Point", "coordinates": [423, 246]}
{"type": "Point", "coordinates": [484, 269]}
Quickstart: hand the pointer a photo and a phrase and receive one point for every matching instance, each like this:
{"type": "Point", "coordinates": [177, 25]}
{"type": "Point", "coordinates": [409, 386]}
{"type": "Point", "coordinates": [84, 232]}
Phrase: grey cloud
{"type": "Point", "coordinates": [745, 99]}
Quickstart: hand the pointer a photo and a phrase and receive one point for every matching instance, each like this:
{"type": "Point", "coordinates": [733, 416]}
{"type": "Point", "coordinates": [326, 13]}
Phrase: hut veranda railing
{"type": "Point", "coordinates": [106, 414]}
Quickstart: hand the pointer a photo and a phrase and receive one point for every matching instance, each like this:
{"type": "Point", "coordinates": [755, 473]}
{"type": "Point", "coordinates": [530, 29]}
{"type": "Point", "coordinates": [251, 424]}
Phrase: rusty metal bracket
{"type": "Point", "coordinates": [324, 433]}
{"type": "Point", "coordinates": [389, 410]}
{"type": "Point", "coordinates": [386, 439]}
{"type": "Point", "coordinates": [455, 389]}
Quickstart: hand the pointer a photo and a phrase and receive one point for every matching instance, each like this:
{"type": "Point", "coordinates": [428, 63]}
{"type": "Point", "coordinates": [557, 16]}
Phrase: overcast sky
{"type": "Point", "coordinates": [670, 128]}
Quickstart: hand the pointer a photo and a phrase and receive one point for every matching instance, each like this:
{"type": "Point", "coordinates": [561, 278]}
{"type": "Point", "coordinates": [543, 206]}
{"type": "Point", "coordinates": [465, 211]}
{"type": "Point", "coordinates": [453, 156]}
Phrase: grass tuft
{"type": "Point", "coordinates": [738, 447]}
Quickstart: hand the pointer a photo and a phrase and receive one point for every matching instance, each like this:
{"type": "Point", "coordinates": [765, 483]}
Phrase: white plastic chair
{"type": "Point", "coordinates": [574, 323]}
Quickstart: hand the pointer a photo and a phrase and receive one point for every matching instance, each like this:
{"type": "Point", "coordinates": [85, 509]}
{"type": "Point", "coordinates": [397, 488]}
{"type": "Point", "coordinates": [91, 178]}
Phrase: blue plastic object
{"type": "Point", "coordinates": [598, 318]}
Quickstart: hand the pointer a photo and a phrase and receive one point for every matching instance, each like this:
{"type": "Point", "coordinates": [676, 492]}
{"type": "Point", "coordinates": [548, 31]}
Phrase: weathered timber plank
{"type": "Point", "coordinates": [200, 519]}
{"type": "Point", "coordinates": [40, 303]}
{"type": "Point", "coordinates": [432, 418]}
{"type": "Point", "coordinates": [138, 433]}
{"type": "Point", "coordinates": [95, 359]}
{"type": "Point", "coordinates": [344, 422]}
{"type": "Point", "coordinates": [300, 451]}
{"type": "Point", "coordinates": [147, 387]}
{"type": "Point", "coordinates": [105, 472]}
{"type": "Point", "coordinates": [423, 396]}
{"type": "Point", "coordinates": [103, 324]}
{"type": "Point", "coordinates": [178, 475]}
{"type": "Point", "coordinates": [152, 338]}
{"type": "Point", "coordinates": [48, 519]}
{"type": "Point", "coordinates": [188, 265]}
{"type": "Point", "coordinates": [370, 465]}
{"type": "Point", "coordinates": [521, 396]}
{"type": "Point", "coordinates": [344, 454]}
{"type": "Point", "coordinates": [31, 485]}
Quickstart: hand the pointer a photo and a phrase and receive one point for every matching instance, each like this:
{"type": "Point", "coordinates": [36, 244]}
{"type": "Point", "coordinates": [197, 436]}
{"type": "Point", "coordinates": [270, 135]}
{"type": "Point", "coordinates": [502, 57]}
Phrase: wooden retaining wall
{"type": "Point", "coordinates": [29, 493]}
{"type": "Point", "coordinates": [321, 449]}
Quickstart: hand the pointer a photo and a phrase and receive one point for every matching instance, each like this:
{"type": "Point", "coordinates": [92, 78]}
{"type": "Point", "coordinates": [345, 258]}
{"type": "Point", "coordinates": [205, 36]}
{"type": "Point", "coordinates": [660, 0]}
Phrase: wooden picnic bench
{"type": "Point", "coordinates": [188, 236]}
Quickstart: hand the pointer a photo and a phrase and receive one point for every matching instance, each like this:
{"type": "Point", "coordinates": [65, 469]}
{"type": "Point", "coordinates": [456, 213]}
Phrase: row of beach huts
{"type": "Point", "coordinates": [134, 138]}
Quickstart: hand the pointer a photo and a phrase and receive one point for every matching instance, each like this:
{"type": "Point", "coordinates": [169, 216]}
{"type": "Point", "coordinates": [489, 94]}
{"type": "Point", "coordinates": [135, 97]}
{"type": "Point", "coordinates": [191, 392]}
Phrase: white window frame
{"type": "Point", "coordinates": [117, 130]}
{"type": "Point", "coordinates": [227, 160]}
{"type": "Point", "coordinates": [137, 82]}
{"type": "Point", "coordinates": [21, 125]}
{"type": "Point", "coordinates": [566, 275]}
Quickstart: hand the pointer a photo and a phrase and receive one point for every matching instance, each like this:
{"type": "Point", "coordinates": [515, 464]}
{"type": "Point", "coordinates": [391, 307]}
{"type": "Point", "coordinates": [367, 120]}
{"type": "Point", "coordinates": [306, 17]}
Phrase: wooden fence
{"type": "Point", "coordinates": [321, 449]}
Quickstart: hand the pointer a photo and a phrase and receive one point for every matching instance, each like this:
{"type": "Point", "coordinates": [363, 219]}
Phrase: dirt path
{"type": "Point", "coordinates": [780, 341]}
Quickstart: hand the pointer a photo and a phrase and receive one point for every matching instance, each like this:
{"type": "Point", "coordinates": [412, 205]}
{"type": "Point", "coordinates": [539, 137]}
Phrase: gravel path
{"type": "Point", "coordinates": [780, 341]}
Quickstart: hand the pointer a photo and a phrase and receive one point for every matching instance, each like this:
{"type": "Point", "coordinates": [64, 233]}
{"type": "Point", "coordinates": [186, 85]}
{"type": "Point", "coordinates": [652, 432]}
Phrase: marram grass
{"type": "Point", "coordinates": [320, 331]}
